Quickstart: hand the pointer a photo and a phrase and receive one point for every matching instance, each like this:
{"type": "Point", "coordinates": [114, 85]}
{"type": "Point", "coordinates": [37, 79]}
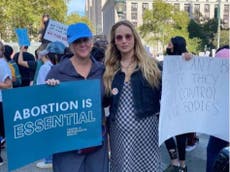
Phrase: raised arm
{"type": "Point", "coordinates": [20, 58]}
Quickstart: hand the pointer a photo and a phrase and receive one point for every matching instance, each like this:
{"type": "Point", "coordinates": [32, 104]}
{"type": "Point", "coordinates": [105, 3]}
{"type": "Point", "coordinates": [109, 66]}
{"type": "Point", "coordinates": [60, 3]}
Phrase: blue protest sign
{"type": "Point", "coordinates": [23, 38]}
{"type": "Point", "coordinates": [41, 120]}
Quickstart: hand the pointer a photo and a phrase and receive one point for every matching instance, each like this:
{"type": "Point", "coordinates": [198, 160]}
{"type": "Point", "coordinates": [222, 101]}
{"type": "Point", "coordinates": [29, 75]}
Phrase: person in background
{"type": "Point", "coordinates": [192, 141]}
{"type": "Point", "coordinates": [38, 62]}
{"type": "Point", "coordinates": [215, 145]}
{"type": "Point", "coordinates": [98, 52]}
{"type": "Point", "coordinates": [8, 52]}
{"type": "Point", "coordinates": [16, 76]}
{"type": "Point", "coordinates": [44, 24]}
{"type": "Point", "coordinates": [5, 83]}
{"type": "Point", "coordinates": [80, 66]}
{"type": "Point", "coordinates": [132, 82]}
{"type": "Point", "coordinates": [49, 57]}
{"type": "Point", "coordinates": [176, 150]}
{"type": "Point", "coordinates": [27, 73]}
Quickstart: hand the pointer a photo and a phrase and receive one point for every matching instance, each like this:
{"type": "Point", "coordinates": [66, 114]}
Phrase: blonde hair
{"type": "Point", "coordinates": [147, 65]}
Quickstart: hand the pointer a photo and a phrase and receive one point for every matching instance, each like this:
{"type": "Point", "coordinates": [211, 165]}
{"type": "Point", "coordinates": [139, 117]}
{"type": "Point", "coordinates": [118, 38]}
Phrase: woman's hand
{"type": "Point", "coordinates": [52, 82]}
{"type": "Point", "coordinates": [187, 56]}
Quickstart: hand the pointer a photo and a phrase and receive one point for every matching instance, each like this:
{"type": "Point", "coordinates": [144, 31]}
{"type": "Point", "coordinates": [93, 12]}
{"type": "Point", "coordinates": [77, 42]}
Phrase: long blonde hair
{"type": "Point", "coordinates": [147, 65]}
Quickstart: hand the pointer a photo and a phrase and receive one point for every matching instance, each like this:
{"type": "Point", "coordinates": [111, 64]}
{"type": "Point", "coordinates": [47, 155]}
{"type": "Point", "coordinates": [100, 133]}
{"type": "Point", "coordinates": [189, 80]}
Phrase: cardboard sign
{"type": "Point", "coordinates": [195, 97]}
{"type": "Point", "coordinates": [56, 31]}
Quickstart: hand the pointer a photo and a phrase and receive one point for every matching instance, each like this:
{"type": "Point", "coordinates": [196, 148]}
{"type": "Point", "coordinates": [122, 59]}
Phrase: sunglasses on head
{"type": "Point", "coordinates": [81, 40]}
{"type": "Point", "coordinates": [128, 37]}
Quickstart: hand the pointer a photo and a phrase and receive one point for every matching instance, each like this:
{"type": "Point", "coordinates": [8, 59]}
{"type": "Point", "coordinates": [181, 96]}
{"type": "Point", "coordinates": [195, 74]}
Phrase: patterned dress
{"type": "Point", "coordinates": [134, 143]}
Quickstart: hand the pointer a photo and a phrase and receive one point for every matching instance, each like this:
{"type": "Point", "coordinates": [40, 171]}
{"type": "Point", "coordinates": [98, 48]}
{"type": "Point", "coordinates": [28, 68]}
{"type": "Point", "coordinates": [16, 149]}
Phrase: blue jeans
{"type": "Point", "coordinates": [214, 147]}
{"type": "Point", "coordinates": [0, 145]}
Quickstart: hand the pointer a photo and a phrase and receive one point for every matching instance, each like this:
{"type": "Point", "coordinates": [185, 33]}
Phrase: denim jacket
{"type": "Point", "coordinates": [146, 99]}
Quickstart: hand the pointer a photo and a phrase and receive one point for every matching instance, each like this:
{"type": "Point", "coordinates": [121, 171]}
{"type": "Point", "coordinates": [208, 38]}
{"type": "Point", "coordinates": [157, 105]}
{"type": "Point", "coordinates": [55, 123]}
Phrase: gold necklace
{"type": "Point", "coordinates": [130, 65]}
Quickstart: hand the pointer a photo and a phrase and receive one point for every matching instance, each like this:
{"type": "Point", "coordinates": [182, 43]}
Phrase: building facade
{"type": "Point", "coordinates": [93, 10]}
{"type": "Point", "coordinates": [134, 9]}
{"type": "Point", "coordinates": [105, 13]}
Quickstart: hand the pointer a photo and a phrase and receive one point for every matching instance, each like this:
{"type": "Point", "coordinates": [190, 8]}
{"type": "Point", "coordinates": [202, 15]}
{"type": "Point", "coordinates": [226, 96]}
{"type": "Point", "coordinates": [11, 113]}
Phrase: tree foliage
{"type": "Point", "coordinates": [207, 33]}
{"type": "Point", "coordinates": [28, 14]}
{"type": "Point", "coordinates": [224, 38]}
{"type": "Point", "coordinates": [164, 21]}
{"type": "Point", "coordinates": [73, 18]}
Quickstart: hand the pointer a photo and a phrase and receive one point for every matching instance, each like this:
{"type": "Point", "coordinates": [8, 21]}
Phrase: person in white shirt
{"type": "Point", "coordinates": [5, 82]}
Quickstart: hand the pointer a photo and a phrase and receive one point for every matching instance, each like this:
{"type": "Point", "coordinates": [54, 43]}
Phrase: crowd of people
{"type": "Point", "coordinates": [130, 86]}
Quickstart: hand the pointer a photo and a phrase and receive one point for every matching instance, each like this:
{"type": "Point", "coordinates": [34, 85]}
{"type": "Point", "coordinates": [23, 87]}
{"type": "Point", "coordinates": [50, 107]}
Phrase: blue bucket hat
{"type": "Point", "coordinates": [53, 47]}
{"type": "Point", "coordinates": [77, 31]}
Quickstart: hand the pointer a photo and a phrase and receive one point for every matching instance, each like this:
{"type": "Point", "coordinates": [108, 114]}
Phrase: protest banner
{"type": "Point", "coordinates": [41, 120]}
{"type": "Point", "coordinates": [22, 36]}
{"type": "Point", "coordinates": [195, 97]}
{"type": "Point", "coordinates": [56, 31]}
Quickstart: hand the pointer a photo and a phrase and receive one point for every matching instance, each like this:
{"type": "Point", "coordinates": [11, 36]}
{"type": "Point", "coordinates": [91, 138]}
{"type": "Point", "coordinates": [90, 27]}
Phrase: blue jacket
{"type": "Point", "coordinates": [146, 99]}
{"type": "Point", "coordinates": [65, 71]}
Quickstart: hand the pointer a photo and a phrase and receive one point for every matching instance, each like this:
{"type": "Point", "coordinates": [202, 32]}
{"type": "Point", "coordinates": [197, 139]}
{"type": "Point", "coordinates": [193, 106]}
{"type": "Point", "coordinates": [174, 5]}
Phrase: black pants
{"type": "Point", "coordinates": [179, 146]}
{"type": "Point", "coordinates": [2, 131]}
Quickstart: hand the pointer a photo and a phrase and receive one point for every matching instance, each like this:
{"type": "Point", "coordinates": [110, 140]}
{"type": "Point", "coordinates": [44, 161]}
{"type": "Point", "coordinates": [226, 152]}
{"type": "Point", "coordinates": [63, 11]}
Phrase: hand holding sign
{"type": "Point", "coordinates": [195, 97]}
{"type": "Point", "coordinates": [56, 31]}
{"type": "Point", "coordinates": [37, 124]}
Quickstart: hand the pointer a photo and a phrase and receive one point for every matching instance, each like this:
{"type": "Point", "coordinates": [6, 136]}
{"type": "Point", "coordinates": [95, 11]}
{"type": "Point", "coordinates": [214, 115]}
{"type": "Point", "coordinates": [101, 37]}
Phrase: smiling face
{"type": "Point", "coordinates": [82, 47]}
{"type": "Point", "coordinates": [124, 39]}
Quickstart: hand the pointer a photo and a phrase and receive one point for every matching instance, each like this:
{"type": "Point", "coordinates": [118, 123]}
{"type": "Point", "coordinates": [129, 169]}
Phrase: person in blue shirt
{"type": "Point", "coordinates": [49, 57]}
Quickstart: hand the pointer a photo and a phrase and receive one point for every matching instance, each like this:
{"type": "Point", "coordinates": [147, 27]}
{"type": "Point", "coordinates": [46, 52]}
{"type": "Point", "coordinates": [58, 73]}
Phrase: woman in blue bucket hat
{"type": "Point", "coordinates": [80, 66]}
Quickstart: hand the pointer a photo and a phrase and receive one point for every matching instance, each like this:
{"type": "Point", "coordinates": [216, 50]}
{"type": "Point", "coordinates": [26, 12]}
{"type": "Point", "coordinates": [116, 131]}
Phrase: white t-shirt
{"type": "Point", "coordinates": [5, 72]}
{"type": "Point", "coordinates": [43, 71]}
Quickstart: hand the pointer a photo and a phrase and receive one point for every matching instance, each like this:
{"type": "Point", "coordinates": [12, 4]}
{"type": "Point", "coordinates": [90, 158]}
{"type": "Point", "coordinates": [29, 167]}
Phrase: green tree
{"type": "Point", "coordinates": [204, 31]}
{"type": "Point", "coordinates": [224, 38]}
{"type": "Point", "coordinates": [74, 18]}
{"type": "Point", "coordinates": [27, 14]}
{"type": "Point", "coordinates": [209, 30]}
{"type": "Point", "coordinates": [164, 21]}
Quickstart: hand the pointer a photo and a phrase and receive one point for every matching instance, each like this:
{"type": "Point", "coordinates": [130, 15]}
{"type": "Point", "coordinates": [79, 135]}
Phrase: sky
{"type": "Point", "coordinates": [77, 6]}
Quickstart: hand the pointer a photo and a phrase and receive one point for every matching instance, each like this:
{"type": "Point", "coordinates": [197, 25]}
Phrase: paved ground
{"type": "Point", "coordinates": [196, 159]}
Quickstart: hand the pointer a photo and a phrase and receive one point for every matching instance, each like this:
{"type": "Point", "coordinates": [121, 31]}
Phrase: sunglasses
{"type": "Point", "coordinates": [81, 40]}
{"type": "Point", "coordinates": [128, 37]}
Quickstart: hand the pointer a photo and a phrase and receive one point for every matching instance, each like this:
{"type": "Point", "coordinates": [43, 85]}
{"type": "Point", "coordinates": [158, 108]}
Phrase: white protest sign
{"type": "Point", "coordinates": [195, 97]}
{"type": "Point", "coordinates": [56, 31]}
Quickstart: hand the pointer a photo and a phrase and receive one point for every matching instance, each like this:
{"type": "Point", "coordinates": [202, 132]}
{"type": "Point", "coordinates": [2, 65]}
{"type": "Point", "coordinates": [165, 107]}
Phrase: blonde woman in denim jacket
{"type": "Point", "coordinates": [132, 80]}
